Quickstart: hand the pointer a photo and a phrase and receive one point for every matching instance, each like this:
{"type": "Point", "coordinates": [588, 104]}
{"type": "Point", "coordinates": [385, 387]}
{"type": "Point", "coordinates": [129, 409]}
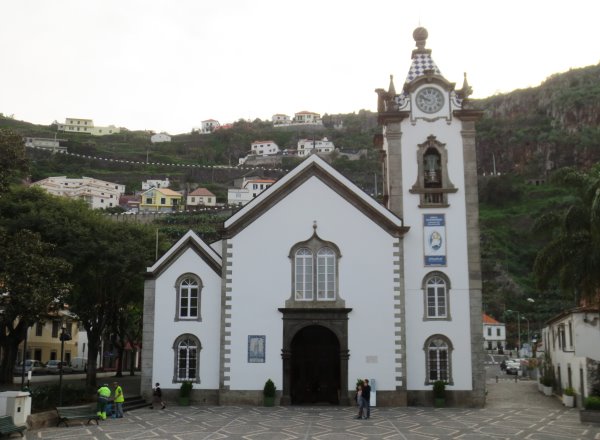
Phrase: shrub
{"type": "Point", "coordinates": [592, 402]}
{"type": "Point", "coordinates": [569, 391]}
{"type": "Point", "coordinates": [186, 388]}
{"type": "Point", "coordinates": [46, 396]}
{"type": "Point", "coordinates": [439, 389]}
{"type": "Point", "coordinates": [269, 389]}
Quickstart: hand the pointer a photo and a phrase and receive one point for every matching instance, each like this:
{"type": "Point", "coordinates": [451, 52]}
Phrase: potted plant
{"type": "Point", "coordinates": [269, 393]}
{"type": "Point", "coordinates": [184, 393]}
{"type": "Point", "coordinates": [439, 394]}
{"type": "Point", "coordinates": [568, 397]}
{"type": "Point", "coordinates": [547, 381]}
{"type": "Point", "coordinates": [591, 413]}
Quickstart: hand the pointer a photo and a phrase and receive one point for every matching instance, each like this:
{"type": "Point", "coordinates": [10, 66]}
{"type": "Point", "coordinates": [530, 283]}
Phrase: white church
{"type": "Point", "coordinates": [315, 284]}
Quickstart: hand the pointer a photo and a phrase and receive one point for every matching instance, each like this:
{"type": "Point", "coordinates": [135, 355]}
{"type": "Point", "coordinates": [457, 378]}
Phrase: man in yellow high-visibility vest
{"type": "Point", "coordinates": [119, 399]}
{"type": "Point", "coordinates": [103, 399]}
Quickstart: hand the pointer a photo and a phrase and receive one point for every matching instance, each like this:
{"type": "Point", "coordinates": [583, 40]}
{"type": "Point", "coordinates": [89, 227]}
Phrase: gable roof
{"type": "Point", "coordinates": [201, 192]}
{"type": "Point", "coordinates": [314, 166]}
{"type": "Point", "coordinates": [164, 191]}
{"type": "Point", "coordinates": [189, 241]}
{"type": "Point", "coordinates": [487, 319]}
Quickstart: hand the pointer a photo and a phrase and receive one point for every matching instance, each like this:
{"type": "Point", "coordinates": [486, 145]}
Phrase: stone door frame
{"type": "Point", "coordinates": [333, 319]}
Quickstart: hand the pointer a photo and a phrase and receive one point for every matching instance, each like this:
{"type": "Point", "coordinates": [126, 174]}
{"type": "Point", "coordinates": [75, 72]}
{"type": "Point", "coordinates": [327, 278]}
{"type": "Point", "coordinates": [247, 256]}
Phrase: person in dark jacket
{"type": "Point", "coordinates": [366, 395]}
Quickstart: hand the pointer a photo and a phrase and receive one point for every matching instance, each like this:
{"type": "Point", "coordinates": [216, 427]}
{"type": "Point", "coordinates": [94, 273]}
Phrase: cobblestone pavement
{"type": "Point", "coordinates": [514, 411]}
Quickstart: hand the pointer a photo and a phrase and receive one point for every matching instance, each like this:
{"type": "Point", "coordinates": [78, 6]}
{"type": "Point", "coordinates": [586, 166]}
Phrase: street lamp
{"type": "Point", "coordinates": [64, 336]}
{"type": "Point", "coordinates": [518, 328]}
{"type": "Point", "coordinates": [528, 338]}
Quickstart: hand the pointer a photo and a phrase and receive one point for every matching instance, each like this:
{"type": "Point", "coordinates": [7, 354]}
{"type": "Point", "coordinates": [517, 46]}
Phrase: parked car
{"type": "Point", "coordinates": [513, 366]}
{"type": "Point", "coordinates": [54, 367]}
{"type": "Point", "coordinates": [79, 365]}
{"type": "Point", "coordinates": [36, 367]}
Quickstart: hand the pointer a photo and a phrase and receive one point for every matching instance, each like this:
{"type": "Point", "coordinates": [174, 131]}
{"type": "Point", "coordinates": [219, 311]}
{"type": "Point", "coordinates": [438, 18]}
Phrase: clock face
{"type": "Point", "coordinates": [429, 100]}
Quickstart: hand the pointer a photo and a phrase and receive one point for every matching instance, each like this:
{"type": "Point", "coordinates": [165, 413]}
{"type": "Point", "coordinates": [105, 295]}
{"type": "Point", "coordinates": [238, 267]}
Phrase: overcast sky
{"type": "Point", "coordinates": [168, 65]}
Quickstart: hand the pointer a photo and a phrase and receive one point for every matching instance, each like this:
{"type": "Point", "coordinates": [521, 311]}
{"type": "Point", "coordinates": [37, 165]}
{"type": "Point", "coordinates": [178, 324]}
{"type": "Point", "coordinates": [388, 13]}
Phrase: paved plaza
{"type": "Point", "coordinates": [514, 411]}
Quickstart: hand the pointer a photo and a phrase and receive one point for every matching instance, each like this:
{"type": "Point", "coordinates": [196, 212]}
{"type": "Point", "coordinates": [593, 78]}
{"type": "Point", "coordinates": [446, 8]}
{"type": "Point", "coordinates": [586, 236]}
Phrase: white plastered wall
{"type": "Point", "coordinates": [261, 283]}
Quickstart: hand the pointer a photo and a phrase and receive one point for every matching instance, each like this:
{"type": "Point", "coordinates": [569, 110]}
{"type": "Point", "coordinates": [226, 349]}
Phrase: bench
{"type": "Point", "coordinates": [7, 426]}
{"type": "Point", "coordinates": [66, 413]}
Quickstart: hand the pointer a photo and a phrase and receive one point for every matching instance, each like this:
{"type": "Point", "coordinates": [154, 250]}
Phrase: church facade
{"type": "Point", "coordinates": [315, 284]}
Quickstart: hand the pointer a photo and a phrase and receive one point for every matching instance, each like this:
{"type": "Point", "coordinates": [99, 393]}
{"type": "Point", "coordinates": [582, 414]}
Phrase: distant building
{"type": "Point", "coordinates": [160, 199]}
{"type": "Point", "coordinates": [264, 148]}
{"type": "Point", "coordinates": [249, 189]}
{"type": "Point", "coordinates": [97, 193]}
{"type": "Point", "coordinates": [207, 126]}
{"type": "Point", "coordinates": [46, 143]}
{"type": "Point", "coordinates": [307, 147]}
{"type": "Point", "coordinates": [160, 137]}
{"type": "Point", "coordinates": [43, 340]}
{"type": "Point", "coordinates": [309, 118]}
{"type": "Point", "coordinates": [155, 183]}
{"type": "Point", "coordinates": [201, 197]}
{"type": "Point", "coordinates": [494, 334]}
{"type": "Point", "coordinates": [280, 119]}
{"type": "Point", "coordinates": [80, 125]}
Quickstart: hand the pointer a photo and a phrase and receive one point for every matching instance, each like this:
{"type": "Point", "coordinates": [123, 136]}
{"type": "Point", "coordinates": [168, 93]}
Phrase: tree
{"type": "Point", "coordinates": [33, 284]}
{"type": "Point", "coordinates": [572, 255]}
{"type": "Point", "coordinates": [108, 258]}
{"type": "Point", "coordinates": [13, 159]}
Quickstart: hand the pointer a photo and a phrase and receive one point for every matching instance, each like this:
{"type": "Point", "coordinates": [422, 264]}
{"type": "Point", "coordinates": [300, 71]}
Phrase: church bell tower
{"type": "Point", "coordinates": [427, 147]}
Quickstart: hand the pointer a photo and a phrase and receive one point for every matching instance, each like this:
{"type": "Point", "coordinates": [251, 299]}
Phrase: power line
{"type": "Point", "coordinates": [179, 165]}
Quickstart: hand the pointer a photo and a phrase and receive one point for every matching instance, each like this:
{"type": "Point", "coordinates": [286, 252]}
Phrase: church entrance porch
{"type": "Point", "coordinates": [315, 369]}
{"type": "Point", "coordinates": [315, 356]}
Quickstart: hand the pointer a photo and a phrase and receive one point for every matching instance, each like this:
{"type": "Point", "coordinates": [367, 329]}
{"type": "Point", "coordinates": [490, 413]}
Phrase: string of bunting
{"type": "Point", "coordinates": [181, 165]}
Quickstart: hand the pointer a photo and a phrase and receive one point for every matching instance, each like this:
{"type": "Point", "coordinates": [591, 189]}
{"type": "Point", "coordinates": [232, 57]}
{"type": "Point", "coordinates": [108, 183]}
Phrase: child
{"type": "Point", "coordinates": [157, 397]}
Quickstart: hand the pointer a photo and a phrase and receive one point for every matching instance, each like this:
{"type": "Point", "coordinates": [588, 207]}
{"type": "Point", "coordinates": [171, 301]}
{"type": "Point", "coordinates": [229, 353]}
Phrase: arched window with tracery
{"type": "Point", "coordinates": [438, 355]}
{"type": "Point", "coordinates": [187, 358]}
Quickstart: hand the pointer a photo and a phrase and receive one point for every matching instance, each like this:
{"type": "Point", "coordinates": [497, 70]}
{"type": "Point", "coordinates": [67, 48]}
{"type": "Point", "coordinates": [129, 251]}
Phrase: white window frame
{"type": "Point", "coordinates": [184, 287]}
{"type": "Point", "coordinates": [436, 296]}
{"type": "Point", "coordinates": [190, 367]}
{"type": "Point", "coordinates": [438, 349]}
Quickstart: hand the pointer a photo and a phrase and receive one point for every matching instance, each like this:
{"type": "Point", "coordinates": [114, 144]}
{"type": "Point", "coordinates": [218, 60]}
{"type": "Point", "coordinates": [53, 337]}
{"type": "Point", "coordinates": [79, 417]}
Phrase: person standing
{"type": "Point", "coordinates": [366, 395]}
{"type": "Point", "coordinates": [360, 401]}
{"type": "Point", "coordinates": [118, 399]}
{"type": "Point", "coordinates": [103, 399]}
{"type": "Point", "coordinates": [157, 397]}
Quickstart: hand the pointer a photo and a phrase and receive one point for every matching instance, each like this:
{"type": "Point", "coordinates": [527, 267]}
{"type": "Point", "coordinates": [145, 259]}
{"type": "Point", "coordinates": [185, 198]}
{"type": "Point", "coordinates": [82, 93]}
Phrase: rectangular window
{"type": "Point", "coordinates": [37, 354]}
{"type": "Point", "coordinates": [39, 328]}
{"type": "Point", "coordinates": [163, 200]}
{"type": "Point", "coordinates": [53, 355]}
{"type": "Point", "coordinates": [498, 333]}
{"type": "Point", "coordinates": [304, 275]}
{"type": "Point", "coordinates": [55, 328]}
{"type": "Point", "coordinates": [489, 331]}
{"type": "Point", "coordinates": [148, 201]}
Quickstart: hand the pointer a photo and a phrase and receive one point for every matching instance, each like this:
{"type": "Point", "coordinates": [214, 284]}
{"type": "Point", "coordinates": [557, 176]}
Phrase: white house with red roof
{"type": "Point", "coordinates": [201, 197]}
{"type": "Point", "coordinates": [494, 333]}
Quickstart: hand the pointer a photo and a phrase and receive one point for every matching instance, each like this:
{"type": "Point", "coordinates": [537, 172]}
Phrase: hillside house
{"type": "Point", "coordinates": [160, 137]}
{"type": "Point", "coordinates": [160, 199]}
{"type": "Point", "coordinates": [201, 197]}
{"type": "Point", "coordinates": [98, 194]}
{"type": "Point", "coordinates": [322, 146]}
{"type": "Point", "coordinates": [80, 125]}
{"type": "Point", "coordinates": [307, 118]}
{"type": "Point", "coordinates": [248, 190]}
{"type": "Point", "coordinates": [155, 183]}
{"type": "Point", "coordinates": [264, 148]}
{"type": "Point", "coordinates": [280, 119]}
